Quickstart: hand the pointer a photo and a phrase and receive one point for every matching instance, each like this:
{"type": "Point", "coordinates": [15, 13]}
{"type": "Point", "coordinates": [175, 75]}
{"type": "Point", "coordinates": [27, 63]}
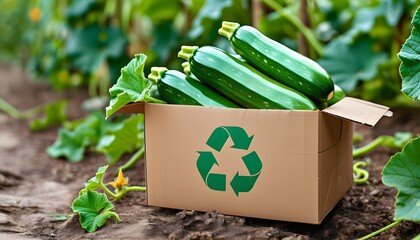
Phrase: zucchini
{"type": "Point", "coordinates": [177, 88]}
{"type": "Point", "coordinates": [338, 95]}
{"type": "Point", "coordinates": [279, 62]}
{"type": "Point", "coordinates": [240, 82]}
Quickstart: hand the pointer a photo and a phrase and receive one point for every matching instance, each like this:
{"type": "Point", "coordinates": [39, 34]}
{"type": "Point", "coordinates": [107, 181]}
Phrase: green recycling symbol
{"type": "Point", "coordinates": [206, 160]}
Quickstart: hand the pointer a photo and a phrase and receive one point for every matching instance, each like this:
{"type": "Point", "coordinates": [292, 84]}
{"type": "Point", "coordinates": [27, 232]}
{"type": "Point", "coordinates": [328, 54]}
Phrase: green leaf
{"type": "Point", "coordinates": [95, 182]}
{"type": "Point", "coordinates": [70, 145]}
{"type": "Point", "coordinates": [401, 139]}
{"type": "Point", "coordinates": [365, 19]}
{"type": "Point", "coordinates": [209, 13]}
{"type": "Point", "coordinates": [132, 86]}
{"type": "Point", "coordinates": [60, 217]}
{"type": "Point", "coordinates": [417, 237]}
{"type": "Point", "coordinates": [392, 10]}
{"type": "Point", "coordinates": [132, 80]}
{"type": "Point", "coordinates": [90, 46]}
{"type": "Point", "coordinates": [55, 113]}
{"type": "Point", "coordinates": [157, 13]}
{"type": "Point", "coordinates": [403, 172]}
{"type": "Point", "coordinates": [116, 103]}
{"type": "Point", "coordinates": [79, 8]}
{"type": "Point", "coordinates": [410, 61]}
{"type": "Point", "coordinates": [126, 138]}
{"type": "Point", "coordinates": [349, 63]}
{"type": "Point", "coordinates": [94, 209]}
{"type": "Point", "coordinates": [166, 38]}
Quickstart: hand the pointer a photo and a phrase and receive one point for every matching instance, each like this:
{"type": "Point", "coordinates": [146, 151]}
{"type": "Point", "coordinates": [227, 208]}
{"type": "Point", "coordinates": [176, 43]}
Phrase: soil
{"type": "Point", "coordinates": [35, 190]}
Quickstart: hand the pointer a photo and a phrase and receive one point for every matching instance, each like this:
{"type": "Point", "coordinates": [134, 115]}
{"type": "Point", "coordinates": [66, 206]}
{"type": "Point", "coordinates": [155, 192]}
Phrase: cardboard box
{"type": "Point", "coordinates": [272, 164]}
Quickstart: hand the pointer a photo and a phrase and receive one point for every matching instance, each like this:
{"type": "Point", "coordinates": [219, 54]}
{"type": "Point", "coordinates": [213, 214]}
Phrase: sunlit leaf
{"type": "Point", "coordinates": [55, 113]}
{"type": "Point", "coordinates": [403, 172]}
{"type": "Point", "coordinates": [132, 86]}
{"type": "Point", "coordinates": [160, 10]}
{"type": "Point", "coordinates": [125, 138]}
{"type": "Point", "coordinates": [95, 182]}
{"type": "Point", "coordinates": [410, 58]}
{"type": "Point", "coordinates": [349, 63]}
{"type": "Point", "coordinates": [94, 209]}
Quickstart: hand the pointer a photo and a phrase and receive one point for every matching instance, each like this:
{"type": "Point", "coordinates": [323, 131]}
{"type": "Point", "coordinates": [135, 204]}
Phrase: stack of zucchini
{"type": "Point", "coordinates": [265, 75]}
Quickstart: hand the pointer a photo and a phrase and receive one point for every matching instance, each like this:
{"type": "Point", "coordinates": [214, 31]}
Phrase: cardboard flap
{"type": "Point", "coordinates": [131, 108]}
{"type": "Point", "coordinates": [358, 111]}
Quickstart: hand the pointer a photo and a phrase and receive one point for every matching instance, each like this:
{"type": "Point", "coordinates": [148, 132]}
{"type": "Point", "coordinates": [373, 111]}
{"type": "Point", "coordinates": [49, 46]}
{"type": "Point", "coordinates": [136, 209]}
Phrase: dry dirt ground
{"type": "Point", "coordinates": [35, 189]}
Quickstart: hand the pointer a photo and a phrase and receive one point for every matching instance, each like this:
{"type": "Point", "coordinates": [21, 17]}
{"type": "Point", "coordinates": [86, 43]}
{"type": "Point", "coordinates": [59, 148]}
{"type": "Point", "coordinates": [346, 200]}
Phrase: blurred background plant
{"type": "Point", "coordinates": [85, 43]}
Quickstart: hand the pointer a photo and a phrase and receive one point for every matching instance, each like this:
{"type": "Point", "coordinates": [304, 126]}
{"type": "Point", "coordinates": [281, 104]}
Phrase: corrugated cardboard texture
{"type": "Point", "coordinates": [359, 111]}
{"type": "Point", "coordinates": [306, 161]}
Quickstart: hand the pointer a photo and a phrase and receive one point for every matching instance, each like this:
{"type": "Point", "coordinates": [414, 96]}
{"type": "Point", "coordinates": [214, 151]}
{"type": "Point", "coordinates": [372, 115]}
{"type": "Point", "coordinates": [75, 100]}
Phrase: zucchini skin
{"type": "Point", "coordinates": [282, 64]}
{"type": "Point", "coordinates": [242, 83]}
{"type": "Point", "coordinates": [177, 88]}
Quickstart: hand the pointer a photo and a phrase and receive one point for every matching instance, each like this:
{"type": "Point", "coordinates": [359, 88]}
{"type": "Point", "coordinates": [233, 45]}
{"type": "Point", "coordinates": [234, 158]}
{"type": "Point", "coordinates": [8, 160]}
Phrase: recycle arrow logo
{"type": "Point", "coordinates": [206, 160]}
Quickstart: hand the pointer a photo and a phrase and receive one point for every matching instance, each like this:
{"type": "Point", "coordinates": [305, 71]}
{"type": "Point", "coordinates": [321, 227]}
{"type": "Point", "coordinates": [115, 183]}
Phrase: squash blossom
{"type": "Point", "coordinates": [119, 182]}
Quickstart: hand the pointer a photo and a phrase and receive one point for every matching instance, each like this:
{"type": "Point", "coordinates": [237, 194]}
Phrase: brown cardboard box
{"type": "Point", "coordinates": [272, 164]}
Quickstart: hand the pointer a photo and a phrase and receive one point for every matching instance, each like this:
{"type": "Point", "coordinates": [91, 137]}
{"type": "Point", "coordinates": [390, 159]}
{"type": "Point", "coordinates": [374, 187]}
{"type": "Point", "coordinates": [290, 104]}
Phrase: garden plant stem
{"type": "Point", "coordinates": [133, 160]}
{"type": "Point", "coordinates": [380, 230]}
{"type": "Point", "coordinates": [16, 114]}
{"type": "Point", "coordinates": [306, 32]}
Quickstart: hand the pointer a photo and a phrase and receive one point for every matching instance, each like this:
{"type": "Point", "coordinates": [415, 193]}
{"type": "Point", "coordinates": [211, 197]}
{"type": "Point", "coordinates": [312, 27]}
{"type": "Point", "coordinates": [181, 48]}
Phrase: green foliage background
{"type": "Point", "coordinates": [87, 42]}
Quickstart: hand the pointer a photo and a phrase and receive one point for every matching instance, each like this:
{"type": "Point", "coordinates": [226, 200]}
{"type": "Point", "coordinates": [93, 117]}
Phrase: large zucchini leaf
{"type": "Point", "coordinates": [410, 58]}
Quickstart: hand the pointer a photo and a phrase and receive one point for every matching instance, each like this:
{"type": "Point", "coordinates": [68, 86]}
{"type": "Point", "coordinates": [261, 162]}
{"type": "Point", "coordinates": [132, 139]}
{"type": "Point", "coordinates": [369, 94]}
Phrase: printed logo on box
{"type": "Point", "coordinates": [206, 160]}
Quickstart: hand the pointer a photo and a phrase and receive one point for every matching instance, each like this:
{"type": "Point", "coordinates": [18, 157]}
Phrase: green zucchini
{"type": "Point", "coordinates": [279, 62]}
{"type": "Point", "coordinates": [240, 82]}
{"type": "Point", "coordinates": [338, 95]}
{"type": "Point", "coordinates": [177, 88]}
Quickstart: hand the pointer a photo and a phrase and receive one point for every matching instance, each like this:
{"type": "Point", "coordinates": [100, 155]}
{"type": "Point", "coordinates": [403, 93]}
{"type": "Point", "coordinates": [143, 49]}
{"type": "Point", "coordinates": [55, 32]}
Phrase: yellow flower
{"type": "Point", "coordinates": [35, 14]}
{"type": "Point", "coordinates": [120, 181]}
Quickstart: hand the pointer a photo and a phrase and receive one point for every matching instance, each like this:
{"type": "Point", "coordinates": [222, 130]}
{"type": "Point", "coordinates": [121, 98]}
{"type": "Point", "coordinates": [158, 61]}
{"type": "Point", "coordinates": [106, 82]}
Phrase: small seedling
{"type": "Point", "coordinates": [94, 208]}
{"type": "Point", "coordinates": [120, 184]}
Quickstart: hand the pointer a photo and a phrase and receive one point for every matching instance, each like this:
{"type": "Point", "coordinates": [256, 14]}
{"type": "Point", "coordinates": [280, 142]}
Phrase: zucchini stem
{"type": "Point", "coordinates": [156, 74]}
{"type": "Point", "coordinates": [186, 68]}
{"type": "Point", "coordinates": [187, 52]}
{"type": "Point", "coordinates": [228, 29]}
